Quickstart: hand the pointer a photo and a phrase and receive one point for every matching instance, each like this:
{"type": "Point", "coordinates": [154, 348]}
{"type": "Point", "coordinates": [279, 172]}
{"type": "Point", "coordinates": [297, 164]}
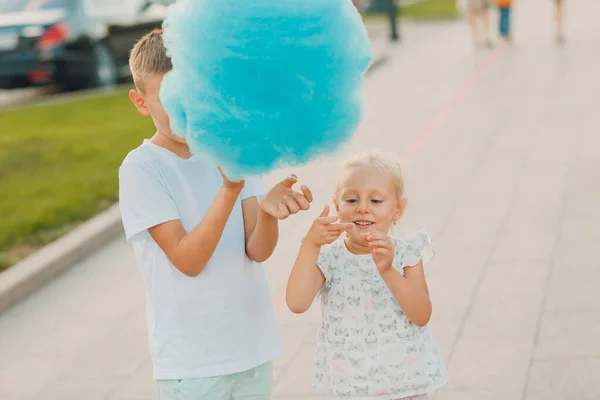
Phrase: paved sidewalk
{"type": "Point", "coordinates": [502, 165]}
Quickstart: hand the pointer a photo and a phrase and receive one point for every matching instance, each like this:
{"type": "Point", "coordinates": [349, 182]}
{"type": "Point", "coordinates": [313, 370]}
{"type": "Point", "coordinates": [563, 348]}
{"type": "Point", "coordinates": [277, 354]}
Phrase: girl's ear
{"type": "Point", "coordinates": [400, 209]}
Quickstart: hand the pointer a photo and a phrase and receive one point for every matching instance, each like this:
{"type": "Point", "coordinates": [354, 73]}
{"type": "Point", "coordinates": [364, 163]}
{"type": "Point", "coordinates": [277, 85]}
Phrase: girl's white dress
{"type": "Point", "coordinates": [367, 348]}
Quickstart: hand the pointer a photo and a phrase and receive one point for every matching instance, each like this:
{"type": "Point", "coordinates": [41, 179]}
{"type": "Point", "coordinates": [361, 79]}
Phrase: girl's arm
{"type": "Point", "coordinates": [411, 292]}
{"type": "Point", "coordinates": [307, 278]}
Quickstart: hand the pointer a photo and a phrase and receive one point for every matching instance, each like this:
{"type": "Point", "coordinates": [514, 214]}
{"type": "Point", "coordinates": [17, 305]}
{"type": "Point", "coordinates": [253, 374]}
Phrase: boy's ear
{"type": "Point", "coordinates": [139, 103]}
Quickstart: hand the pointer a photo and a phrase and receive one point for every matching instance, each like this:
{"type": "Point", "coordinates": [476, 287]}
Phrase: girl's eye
{"type": "Point", "coordinates": [351, 201]}
{"type": "Point", "coordinates": [376, 201]}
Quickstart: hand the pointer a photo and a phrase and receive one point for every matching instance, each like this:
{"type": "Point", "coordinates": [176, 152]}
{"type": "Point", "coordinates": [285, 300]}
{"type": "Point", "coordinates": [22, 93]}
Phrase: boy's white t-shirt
{"type": "Point", "coordinates": [221, 321]}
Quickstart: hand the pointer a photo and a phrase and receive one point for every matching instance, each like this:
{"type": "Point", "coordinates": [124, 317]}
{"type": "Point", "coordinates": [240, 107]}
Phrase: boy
{"type": "Point", "coordinates": [211, 324]}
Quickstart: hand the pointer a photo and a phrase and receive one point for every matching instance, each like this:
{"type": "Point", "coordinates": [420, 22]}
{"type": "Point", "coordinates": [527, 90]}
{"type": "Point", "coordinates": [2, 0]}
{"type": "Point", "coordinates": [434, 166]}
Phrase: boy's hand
{"type": "Point", "coordinates": [234, 185]}
{"type": "Point", "coordinates": [382, 250]}
{"type": "Point", "coordinates": [282, 201]}
{"type": "Point", "coordinates": [324, 230]}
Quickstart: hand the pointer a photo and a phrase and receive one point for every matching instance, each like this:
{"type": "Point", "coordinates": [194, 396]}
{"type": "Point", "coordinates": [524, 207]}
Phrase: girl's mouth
{"type": "Point", "coordinates": [363, 224]}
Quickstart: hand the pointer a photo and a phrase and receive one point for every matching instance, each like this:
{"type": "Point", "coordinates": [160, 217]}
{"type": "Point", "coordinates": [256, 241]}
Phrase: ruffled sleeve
{"type": "Point", "coordinates": [409, 252]}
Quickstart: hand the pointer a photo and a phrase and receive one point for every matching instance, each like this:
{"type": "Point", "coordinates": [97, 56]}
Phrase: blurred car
{"type": "Point", "coordinates": [74, 43]}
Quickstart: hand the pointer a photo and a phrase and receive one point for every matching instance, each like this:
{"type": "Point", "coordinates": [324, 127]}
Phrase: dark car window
{"type": "Point", "coordinates": [13, 6]}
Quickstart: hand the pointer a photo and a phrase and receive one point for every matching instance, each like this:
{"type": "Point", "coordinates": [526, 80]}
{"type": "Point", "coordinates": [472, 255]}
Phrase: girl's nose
{"type": "Point", "coordinates": [362, 207]}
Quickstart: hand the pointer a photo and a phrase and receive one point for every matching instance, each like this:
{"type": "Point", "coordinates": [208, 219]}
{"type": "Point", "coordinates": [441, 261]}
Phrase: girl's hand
{"type": "Point", "coordinates": [382, 250]}
{"type": "Point", "coordinates": [324, 230]}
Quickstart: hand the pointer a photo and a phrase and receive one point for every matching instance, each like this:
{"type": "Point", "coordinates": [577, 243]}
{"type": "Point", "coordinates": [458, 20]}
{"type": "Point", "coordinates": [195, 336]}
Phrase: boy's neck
{"type": "Point", "coordinates": [181, 150]}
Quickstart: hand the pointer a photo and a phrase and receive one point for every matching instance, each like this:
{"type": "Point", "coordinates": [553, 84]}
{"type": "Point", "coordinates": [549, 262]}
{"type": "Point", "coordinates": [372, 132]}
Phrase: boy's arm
{"type": "Point", "coordinates": [261, 220]}
{"type": "Point", "coordinates": [305, 280]}
{"type": "Point", "coordinates": [262, 231]}
{"type": "Point", "coordinates": [190, 252]}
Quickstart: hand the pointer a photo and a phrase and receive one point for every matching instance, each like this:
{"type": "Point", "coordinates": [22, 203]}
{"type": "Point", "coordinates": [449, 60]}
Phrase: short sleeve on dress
{"type": "Point", "coordinates": [409, 252]}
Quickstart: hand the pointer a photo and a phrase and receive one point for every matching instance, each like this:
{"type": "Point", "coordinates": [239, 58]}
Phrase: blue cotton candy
{"type": "Point", "coordinates": [262, 84]}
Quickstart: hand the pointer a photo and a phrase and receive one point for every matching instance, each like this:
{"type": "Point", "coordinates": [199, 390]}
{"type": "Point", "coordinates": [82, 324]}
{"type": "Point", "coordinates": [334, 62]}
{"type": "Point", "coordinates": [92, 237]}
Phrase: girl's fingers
{"type": "Point", "coordinates": [327, 220]}
{"type": "Point", "coordinates": [380, 243]}
{"type": "Point", "coordinates": [348, 226]}
{"type": "Point", "coordinates": [340, 227]}
{"type": "Point", "coordinates": [376, 236]}
{"type": "Point", "coordinates": [381, 250]}
{"type": "Point", "coordinates": [332, 237]}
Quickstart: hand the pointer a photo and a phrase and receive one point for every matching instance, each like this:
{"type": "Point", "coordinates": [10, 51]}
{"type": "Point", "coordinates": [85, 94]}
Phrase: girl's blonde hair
{"type": "Point", "coordinates": [383, 161]}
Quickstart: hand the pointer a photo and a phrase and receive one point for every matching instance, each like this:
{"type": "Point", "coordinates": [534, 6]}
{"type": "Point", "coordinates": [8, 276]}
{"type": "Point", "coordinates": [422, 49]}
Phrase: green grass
{"type": "Point", "coordinates": [59, 165]}
{"type": "Point", "coordinates": [426, 9]}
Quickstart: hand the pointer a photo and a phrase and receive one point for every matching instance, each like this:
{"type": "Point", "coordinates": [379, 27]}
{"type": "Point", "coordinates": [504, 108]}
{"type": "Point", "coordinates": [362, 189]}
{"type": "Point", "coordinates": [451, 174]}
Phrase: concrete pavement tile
{"type": "Point", "coordinates": [572, 333]}
{"type": "Point", "coordinates": [99, 387]}
{"type": "Point", "coordinates": [574, 257]}
{"type": "Point", "coordinates": [450, 285]}
{"type": "Point", "coordinates": [563, 379]}
{"type": "Point", "coordinates": [454, 257]}
{"type": "Point", "coordinates": [117, 356]}
{"type": "Point", "coordinates": [25, 378]}
{"type": "Point", "coordinates": [490, 365]}
{"type": "Point", "coordinates": [294, 338]}
{"type": "Point", "coordinates": [583, 229]}
{"type": "Point", "coordinates": [508, 302]}
{"type": "Point", "coordinates": [140, 386]}
{"type": "Point", "coordinates": [297, 378]}
{"type": "Point", "coordinates": [519, 242]}
{"type": "Point", "coordinates": [573, 290]}
{"type": "Point", "coordinates": [583, 205]}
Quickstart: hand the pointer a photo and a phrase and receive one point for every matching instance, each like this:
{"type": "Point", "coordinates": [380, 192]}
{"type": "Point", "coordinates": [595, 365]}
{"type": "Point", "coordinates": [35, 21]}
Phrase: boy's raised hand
{"type": "Point", "coordinates": [229, 184]}
{"type": "Point", "coordinates": [324, 230]}
{"type": "Point", "coordinates": [282, 201]}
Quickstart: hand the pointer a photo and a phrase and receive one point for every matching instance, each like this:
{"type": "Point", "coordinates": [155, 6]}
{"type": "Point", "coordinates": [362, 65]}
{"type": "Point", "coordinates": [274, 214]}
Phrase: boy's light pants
{"type": "Point", "coordinates": [254, 384]}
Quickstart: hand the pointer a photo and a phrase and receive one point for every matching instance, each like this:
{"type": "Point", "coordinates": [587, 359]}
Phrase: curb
{"type": "Point", "coordinates": [32, 273]}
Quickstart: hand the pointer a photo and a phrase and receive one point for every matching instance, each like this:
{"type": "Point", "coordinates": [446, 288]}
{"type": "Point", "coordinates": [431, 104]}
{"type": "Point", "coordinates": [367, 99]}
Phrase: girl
{"type": "Point", "coordinates": [373, 341]}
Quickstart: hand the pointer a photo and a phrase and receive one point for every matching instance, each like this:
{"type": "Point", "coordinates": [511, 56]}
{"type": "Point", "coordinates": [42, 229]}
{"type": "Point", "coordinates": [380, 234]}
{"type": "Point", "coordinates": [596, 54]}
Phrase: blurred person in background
{"type": "Point", "coordinates": [559, 19]}
{"type": "Point", "coordinates": [504, 8]}
{"type": "Point", "coordinates": [479, 10]}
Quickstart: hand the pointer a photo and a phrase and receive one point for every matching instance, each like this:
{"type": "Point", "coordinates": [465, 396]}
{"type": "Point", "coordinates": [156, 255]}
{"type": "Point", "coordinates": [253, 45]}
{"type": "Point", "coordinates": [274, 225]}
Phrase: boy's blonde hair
{"type": "Point", "coordinates": [384, 162]}
{"type": "Point", "coordinates": [149, 58]}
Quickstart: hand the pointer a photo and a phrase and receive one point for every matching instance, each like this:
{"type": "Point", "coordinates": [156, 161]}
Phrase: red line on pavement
{"type": "Point", "coordinates": [442, 116]}
{"type": "Point", "coordinates": [430, 129]}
